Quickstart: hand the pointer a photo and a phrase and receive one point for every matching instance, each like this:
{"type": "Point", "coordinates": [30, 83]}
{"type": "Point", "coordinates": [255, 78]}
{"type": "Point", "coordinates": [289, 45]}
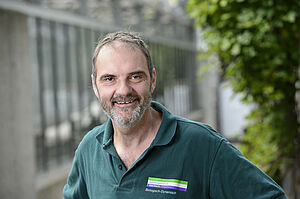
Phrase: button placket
{"type": "Point", "coordinates": [120, 168]}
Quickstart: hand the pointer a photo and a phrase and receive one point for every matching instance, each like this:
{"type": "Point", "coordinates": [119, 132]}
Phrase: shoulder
{"type": "Point", "coordinates": [197, 129]}
{"type": "Point", "coordinates": [188, 131]}
{"type": "Point", "coordinates": [91, 139]}
{"type": "Point", "coordinates": [198, 137]}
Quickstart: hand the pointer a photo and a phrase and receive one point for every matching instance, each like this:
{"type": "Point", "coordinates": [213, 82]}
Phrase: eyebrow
{"type": "Point", "coordinates": [131, 73]}
{"type": "Point", "coordinates": [138, 72]}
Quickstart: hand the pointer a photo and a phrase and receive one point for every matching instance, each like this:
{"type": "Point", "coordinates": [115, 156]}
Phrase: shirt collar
{"type": "Point", "coordinates": [164, 135]}
{"type": "Point", "coordinates": [108, 133]}
{"type": "Point", "coordinates": [167, 127]}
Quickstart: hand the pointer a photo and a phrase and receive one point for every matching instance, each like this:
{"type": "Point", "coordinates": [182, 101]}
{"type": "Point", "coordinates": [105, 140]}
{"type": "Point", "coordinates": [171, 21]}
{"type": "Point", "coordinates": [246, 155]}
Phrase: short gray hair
{"type": "Point", "coordinates": [130, 38]}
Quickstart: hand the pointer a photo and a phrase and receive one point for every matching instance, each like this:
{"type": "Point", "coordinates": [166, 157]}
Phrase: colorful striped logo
{"type": "Point", "coordinates": [167, 183]}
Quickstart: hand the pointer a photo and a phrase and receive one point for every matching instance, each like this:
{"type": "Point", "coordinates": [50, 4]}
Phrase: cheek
{"type": "Point", "coordinates": [105, 93]}
{"type": "Point", "coordinates": [145, 90]}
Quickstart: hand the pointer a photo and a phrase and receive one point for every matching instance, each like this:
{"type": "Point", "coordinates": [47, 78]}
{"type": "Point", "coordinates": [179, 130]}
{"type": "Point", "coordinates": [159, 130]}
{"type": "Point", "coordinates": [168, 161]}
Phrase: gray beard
{"type": "Point", "coordinates": [136, 116]}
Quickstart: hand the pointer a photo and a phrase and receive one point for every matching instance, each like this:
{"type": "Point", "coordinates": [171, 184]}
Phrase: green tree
{"type": "Point", "coordinates": [257, 43]}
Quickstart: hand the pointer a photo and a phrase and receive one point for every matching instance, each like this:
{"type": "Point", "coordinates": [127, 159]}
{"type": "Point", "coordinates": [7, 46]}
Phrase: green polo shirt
{"type": "Point", "coordinates": [185, 160]}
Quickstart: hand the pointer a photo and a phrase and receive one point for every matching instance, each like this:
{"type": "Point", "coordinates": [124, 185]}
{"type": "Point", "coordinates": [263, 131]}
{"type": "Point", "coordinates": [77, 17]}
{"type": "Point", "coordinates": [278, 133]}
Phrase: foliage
{"type": "Point", "coordinates": [257, 42]}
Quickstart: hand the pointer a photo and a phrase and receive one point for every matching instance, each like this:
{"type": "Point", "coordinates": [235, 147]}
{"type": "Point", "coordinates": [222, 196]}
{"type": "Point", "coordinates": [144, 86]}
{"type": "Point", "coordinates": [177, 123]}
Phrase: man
{"type": "Point", "coordinates": [143, 151]}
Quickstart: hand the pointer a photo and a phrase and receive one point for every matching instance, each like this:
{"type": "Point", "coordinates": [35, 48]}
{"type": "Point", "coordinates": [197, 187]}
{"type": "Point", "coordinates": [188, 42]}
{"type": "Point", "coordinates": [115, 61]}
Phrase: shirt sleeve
{"type": "Point", "coordinates": [232, 176]}
{"type": "Point", "coordinates": [76, 186]}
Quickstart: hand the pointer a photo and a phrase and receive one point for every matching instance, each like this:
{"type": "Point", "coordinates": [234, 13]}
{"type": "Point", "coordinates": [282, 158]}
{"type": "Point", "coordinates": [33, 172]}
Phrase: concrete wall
{"type": "Point", "coordinates": [49, 185]}
{"type": "Point", "coordinates": [209, 84]}
{"type": "Point", "coordinates": [17, 166]}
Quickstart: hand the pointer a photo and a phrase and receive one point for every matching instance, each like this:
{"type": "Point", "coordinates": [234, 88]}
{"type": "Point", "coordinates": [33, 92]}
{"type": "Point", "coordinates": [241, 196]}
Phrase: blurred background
{"type": "Point", "coordinates": [213, 66]}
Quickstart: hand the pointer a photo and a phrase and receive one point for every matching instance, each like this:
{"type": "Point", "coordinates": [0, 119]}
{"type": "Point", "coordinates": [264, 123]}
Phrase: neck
{"type": "Point", "coordinates": [143, 132]}
{"type": "Point", "coordinates": [130, 143]}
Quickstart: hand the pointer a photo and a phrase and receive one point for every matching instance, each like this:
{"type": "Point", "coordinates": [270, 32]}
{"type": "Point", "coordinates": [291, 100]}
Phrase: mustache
{"type": "Point", "coordinates": [125, 98]}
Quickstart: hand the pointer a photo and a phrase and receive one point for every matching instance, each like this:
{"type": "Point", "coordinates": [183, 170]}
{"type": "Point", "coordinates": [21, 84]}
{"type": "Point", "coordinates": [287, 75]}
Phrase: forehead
{"type": "Point", "coordinates": [115, 45]}
{"type": "Point", "coordinates": [120, 56]}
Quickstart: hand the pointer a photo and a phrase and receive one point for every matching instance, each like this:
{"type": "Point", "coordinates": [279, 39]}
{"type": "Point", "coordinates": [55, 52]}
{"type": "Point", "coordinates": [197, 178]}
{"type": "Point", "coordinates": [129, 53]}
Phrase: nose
{"type": "Point", "coordinates": [124, 88]}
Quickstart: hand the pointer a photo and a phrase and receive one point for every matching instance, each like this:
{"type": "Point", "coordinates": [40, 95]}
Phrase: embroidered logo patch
{"type": "Point", "coordinates": [167, 183]}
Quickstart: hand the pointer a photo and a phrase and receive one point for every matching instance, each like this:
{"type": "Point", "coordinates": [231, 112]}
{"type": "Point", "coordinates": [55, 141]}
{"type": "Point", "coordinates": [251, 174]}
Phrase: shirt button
{"type": "Point", "coordinates": [120, 166]}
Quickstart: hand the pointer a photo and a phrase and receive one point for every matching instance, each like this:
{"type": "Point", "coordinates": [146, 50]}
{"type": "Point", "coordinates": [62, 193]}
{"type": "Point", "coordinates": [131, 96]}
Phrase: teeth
{"type": "Point", "coordinates": [123, 102]}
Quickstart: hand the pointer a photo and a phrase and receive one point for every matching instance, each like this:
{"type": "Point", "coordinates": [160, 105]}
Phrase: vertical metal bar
{"type": "Point", "coordinates": [44, 149]}
{"type": "Point", "coordinates": [78, 73]}
{"type": "Point", "coordinates": [178, 78]}
{"type": "Point", "coordinates": [84, 68]}
{"type": "Point", "coordinates": [68, 78]}
{"type": "Point", "coordinates": [192, 78]}
{"type": "Point", "coordinates": [163, 65]}
{"type": "Point", "coordinates": [55, 82]}
{"type": "Point", "coordinates": [193, 63]}
{"type": "Point", "coordinates": [79, 67]}
{"type": "Point", "coordinates": [88, 47]}
{"type": "Point", "coordinates": [189, 77]}
{"type": "Point", "coordinates": [159, 66]}
{"type": "Point", "coordinates": [182, 68]}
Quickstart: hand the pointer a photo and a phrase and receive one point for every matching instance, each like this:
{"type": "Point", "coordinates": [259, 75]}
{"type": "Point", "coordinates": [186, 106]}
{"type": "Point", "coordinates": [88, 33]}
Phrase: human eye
{"type": "Point", "coordinates": [107, 78]}
{"type": "Point", "coordinates": [137, 77]}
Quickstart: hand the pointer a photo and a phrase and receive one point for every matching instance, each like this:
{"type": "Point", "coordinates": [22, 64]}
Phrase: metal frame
{"type": "Point", "coordinates": [63, 45]}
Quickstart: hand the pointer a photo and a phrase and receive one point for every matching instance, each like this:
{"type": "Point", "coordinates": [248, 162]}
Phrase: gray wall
{"type": "Point", "coordinates": [17, 167]}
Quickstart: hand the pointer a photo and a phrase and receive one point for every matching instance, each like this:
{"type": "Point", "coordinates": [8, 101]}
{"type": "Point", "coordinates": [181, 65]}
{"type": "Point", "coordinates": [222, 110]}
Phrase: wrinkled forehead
{"type": "Point", "coordinates": [117, 46]}
{"type": "Point", "coordinates": [121, 51]}
{"type": "Point", "coordinates": [121, 44]}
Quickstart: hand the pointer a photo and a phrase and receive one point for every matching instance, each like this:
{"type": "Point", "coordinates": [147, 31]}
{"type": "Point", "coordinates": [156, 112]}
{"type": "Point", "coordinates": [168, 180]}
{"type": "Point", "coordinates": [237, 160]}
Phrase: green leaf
{"type": "Point", "coordinates": [236, 49]}
{"type": "Point", "coordinates": [290, 17]}
{"type": "Point", "coordinates": [225, 44]}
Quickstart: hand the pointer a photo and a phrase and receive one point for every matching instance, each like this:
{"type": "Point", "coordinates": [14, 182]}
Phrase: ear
{"type": "Point", "coordinates": [153, 80]}
{"type": "Point", "coordinates": [95, 89]}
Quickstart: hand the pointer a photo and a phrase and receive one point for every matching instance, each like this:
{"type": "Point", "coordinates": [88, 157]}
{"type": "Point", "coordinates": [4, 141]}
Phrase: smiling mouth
{"type": "Point", "coordinates": [124, 100]}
